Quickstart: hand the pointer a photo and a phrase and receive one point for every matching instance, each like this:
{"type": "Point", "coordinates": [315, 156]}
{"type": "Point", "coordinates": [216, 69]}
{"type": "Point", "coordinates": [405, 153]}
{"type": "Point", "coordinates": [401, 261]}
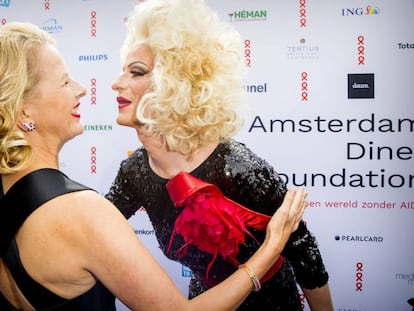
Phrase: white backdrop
{"type": "Point", "coordinates": [330, 89]}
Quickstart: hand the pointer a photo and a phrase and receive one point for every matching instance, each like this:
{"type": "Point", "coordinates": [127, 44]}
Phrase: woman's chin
{"type": "Point", "coordinates": [121, 120]}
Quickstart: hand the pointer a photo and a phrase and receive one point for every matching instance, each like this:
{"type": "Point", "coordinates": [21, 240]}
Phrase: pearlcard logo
{"type": "Point", "coordinates": [361, 85]}
{"type": "Point", "coordinates": [359, 238]}
{"type": "Point", "coordinates": [248, 16]}
{"type": "Point", "coordinates": [52, 26]}
{"type": "Point", "coordinates": [5, 3]}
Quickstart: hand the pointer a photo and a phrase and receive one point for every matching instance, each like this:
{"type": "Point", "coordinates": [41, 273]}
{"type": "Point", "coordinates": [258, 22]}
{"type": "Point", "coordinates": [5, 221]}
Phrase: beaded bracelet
{"type": "Point", "coordinates": [253, 277]}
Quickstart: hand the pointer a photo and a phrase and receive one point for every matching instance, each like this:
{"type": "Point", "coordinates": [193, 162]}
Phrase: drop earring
{"type": "Point", "coordinates": [27, 126]}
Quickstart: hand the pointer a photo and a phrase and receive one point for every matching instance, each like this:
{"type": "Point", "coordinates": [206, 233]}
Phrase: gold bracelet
{"type": "Point", "coordinates": [256, 283]}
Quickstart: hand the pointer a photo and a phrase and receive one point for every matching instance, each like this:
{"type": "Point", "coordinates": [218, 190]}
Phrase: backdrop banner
{"type": "Point", "coordinates": [331, 108]}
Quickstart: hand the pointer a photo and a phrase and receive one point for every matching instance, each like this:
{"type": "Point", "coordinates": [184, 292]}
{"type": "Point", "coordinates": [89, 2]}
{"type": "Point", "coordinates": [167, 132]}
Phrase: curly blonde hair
{"type": "Point", "coordinates": [19, 43]}
{"type": "Point", "coordinates": [196, 95]}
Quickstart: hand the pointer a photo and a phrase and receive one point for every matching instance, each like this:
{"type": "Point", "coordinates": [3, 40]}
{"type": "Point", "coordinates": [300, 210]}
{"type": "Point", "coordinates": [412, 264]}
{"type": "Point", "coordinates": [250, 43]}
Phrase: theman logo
{"type": "Point", "coordinates": [5, 3]}
{"type": "Point", "coordinates": [369, 10]}
{"type": "Point", "coordinates": [359, 238]}
{"type": "Point", "coordinates": [302, 51]}
{"type": "Point", "coordinates": [361, 85]}
{"type": "Point", "coordinates": [52, 26]}
{"type": "Point", "coordinates": [248, 16]}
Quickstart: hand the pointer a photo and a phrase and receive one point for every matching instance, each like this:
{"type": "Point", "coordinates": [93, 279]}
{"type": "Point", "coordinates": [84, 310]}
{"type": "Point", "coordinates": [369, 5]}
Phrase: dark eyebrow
{"type": "Point", "coordinates": [137, 62]}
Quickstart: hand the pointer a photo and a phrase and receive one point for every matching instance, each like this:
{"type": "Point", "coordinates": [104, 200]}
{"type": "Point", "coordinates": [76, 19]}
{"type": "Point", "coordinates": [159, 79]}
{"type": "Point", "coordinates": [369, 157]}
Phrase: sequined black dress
{"type": "Point", "coordinates": [245, 178]}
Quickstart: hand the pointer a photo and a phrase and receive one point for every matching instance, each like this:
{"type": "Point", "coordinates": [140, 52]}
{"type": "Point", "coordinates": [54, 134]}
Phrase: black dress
{"type": "Point", "coordinates": [24, 197]}
{"type": "Point", "coordinates": [245, 178]}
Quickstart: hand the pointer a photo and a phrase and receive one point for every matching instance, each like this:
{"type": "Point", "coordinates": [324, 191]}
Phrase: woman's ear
{"type": "Point", "coordinates": [25, 123]}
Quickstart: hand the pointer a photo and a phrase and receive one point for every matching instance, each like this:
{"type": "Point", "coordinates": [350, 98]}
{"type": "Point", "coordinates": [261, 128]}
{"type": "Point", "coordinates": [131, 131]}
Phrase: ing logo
{"type": "Point", "coordinates": [372, 10]}
{"type": "Point", "coordinates": [359, 11]}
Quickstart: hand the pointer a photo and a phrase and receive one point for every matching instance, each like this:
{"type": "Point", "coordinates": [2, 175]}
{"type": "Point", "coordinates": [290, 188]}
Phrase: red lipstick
{"type": "Point", "coordinates": [123, 102]}
{"type": "Point", "coordinates": [75, 112]}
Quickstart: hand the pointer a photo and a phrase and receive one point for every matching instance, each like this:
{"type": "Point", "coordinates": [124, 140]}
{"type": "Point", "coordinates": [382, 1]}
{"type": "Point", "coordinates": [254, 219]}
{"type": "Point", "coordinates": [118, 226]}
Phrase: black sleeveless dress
{"type": "Point", "coordinates": [24, 197]}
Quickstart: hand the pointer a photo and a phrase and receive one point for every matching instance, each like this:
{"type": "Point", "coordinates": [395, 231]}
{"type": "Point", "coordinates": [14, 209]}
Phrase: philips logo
{"type": "Point", "coordinates": [93, 58]}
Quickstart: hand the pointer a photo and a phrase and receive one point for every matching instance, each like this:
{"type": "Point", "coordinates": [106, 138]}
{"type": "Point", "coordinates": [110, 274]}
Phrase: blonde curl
{"type": "Point", "coordinates": [19, 43]}
{"type": "Point", "coordinates": [196, 95]}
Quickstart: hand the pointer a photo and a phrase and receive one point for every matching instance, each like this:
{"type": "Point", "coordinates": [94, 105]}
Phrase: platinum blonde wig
{"type": "Point", "coordinates": [196, 95]}
{"type": "Point", "coordinates": [19, 44]}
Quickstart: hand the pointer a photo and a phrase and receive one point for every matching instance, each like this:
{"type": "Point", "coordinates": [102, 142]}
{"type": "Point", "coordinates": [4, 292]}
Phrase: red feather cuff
{"type": "Point", "coordinates": [212, 222]}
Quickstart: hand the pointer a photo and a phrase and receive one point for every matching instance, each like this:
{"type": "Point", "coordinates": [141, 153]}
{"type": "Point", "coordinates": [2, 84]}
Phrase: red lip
{"type": "Point", "coordinates": [75, 114]}
{"type": "Point", "coordinates": [123, 102]}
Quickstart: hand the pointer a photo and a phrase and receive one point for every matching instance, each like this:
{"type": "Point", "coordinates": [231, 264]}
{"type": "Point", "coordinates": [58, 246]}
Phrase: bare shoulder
{"type": "Point", "coordinates": [86, 201]}
{"type": "Point", "coordinates": [88, 209]}
{"type": "Point", "coordinates": [76, 214]}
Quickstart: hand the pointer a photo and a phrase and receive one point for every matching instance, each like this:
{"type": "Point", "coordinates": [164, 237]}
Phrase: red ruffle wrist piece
{"type": "Point", "coordinates": [212, 222]}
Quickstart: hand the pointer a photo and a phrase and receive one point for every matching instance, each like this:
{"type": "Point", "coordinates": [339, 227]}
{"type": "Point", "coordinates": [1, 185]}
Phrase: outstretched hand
{"type": "Point", "coordinates": [286, 219]}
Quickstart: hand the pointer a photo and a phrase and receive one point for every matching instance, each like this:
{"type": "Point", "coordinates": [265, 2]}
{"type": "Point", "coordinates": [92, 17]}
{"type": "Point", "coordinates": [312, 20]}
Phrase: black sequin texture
{"type": "Point", "coordinates": [245, 178]}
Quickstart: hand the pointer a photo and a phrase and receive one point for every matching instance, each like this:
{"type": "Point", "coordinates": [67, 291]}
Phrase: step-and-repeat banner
{"type": "Point", "coordinates": [330, 89]}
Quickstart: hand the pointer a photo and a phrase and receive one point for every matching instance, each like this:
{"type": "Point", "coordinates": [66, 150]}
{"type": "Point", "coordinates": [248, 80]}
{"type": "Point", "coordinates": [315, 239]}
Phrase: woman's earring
{"type": "Point", "coordinates": [27, 126]}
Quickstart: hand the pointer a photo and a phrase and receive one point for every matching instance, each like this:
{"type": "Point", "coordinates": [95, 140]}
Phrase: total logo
{"type": "Point", "coordinates": [369, 10]}
{"type": "Point", "coordinates": [405, 46]}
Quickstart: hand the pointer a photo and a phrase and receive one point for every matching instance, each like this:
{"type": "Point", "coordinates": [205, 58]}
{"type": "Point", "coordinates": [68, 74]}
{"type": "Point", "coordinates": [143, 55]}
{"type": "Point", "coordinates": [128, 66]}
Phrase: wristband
{"type": "Point", "coordinates": [256, 283]}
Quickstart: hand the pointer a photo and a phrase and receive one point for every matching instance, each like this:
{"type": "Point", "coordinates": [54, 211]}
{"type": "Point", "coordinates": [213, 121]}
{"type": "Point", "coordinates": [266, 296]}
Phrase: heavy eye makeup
{"type": "Point", "coordinates": [138, 69]}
